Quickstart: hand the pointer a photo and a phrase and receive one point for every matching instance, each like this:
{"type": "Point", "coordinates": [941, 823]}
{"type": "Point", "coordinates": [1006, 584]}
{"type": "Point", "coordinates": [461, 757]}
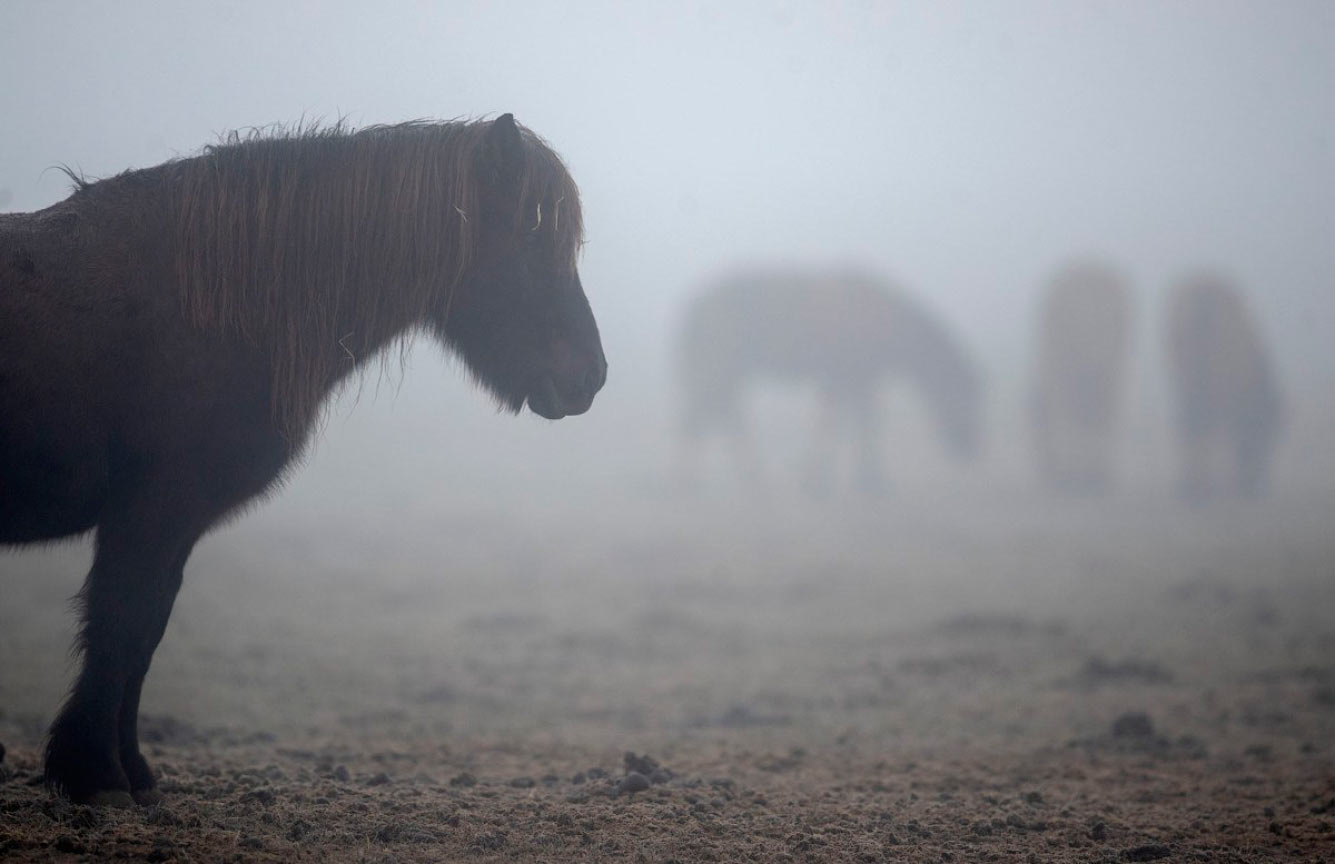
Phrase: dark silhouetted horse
{"type": "Point", "coordinates": [168, 337]}
{"type": "Point", "coordinates": [1084, 326]}
{"type": "Point", "coordinates": [1227, 400]}
{"type": "Point", "coordinates": [846, 332]}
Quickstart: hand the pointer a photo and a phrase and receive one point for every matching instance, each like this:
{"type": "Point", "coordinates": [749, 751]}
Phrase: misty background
{"type": "Point", "coordinates": [964, 150]}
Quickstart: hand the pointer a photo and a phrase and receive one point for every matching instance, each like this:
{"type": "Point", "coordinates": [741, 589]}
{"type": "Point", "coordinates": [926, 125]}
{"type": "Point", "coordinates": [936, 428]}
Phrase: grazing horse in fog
{"type": "Point", "coordinates": [844, 332]}
{"type": "Point", "coordinates": [168, 337]}
{"type": "Point", "coordinates": [1083, 329]}
{"type": "Point", "coordinates": [1227, 401]}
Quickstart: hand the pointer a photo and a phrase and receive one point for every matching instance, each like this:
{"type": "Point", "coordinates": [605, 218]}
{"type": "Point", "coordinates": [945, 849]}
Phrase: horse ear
{"type": "Point", "coordinates": [505, 147]}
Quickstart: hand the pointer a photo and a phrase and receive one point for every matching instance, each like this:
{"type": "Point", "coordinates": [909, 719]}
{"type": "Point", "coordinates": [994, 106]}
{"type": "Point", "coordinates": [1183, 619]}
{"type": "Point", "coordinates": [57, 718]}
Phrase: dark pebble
{"type": "Point", "coordinates": [633, 782]}
{"type": "Point", "coordinates": [261, 795]}
{"type": "Point", "coordinates": [596, 773]}
{"type": "Point", "coordinates": [645, 764]}
{"type": "Point", "coordinates": [1148, 852]}
{"type": "Point", "coordinates": [380, 779]}
{"type": "Point", "coordinates": [660, 775]}
{"type": "Point", "coordinates": [66, 843]}
{"type": "Point", "coordinates": [1098, 832]}
{"type": "Point", "coordinates": [463, 779]}
{"type": "Point", "coordinates": [523, 783]}
{"type": "Point", "coordinates": [341, 773]}
{"type": "Point", "coordinates": [2, 753]}
{"type": "Point", "coordinates": [1033, 797]}
{"type": "Point", "coordinates": [578, 778]}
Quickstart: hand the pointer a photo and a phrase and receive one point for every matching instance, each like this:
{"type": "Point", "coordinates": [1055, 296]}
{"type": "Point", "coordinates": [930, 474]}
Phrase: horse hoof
{"type": "Point", "coordinates": [147, 797]}
{"type": "Point", "coordinates": [118, 798]}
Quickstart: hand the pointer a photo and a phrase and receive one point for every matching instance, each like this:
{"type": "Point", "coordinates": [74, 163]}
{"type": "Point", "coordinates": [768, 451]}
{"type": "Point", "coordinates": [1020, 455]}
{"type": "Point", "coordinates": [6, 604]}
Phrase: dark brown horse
{"type": "Point", "coordinates": [1229, 410]}
{"type": "Point", "coordinates": [1084, 327]}
{"type": "Point", "coordinates": [846, 332]}
{"type": "Point", "coordinates": [168, 337]}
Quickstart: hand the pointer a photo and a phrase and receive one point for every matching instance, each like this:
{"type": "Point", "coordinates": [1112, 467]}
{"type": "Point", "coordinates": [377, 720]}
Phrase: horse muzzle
{"type": "Point", "coordinates": [569, 389]}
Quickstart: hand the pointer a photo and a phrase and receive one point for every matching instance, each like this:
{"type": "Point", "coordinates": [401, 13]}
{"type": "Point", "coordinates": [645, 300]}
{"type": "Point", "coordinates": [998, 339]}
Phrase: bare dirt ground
{"type": "Point", "coordinates": [911, 681]}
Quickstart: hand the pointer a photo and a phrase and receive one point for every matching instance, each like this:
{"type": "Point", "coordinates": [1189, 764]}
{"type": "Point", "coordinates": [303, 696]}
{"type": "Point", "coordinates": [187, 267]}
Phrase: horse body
{"type": "Point", "coordinates": [85, 396]}
{"type": "Point", "coordinates": [1084, 328]}
{"type": "Point", "coordinates": [844, 332]}
{"type": "Point", "coordinates": [168, 336]}
{"type": "Point", "coordinates": [1228, 405]}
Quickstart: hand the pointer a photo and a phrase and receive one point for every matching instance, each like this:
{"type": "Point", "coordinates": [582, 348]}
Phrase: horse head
{"type": "Point", "coordinates": [518, 316]}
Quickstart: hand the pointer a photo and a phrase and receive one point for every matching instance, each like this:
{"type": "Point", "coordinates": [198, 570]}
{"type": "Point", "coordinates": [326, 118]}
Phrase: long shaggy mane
{"type": "Point", "coordinates": [321, 245]}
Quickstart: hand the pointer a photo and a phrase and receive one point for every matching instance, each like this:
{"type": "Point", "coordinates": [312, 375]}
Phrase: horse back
{"type": "Point", "coordinates": [827, 329]}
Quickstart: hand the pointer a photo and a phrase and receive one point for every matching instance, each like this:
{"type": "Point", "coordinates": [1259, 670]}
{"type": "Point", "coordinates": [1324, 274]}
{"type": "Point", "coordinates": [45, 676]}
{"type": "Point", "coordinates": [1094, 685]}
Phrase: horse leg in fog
{"type": "Point", "coordinates": [1251, 458]}
{"type": "Point", "coordinates": [141, 549]}
{"type": "Point", "coordinates": [823, 447]}
{"type": "Point", "coordinates": [718, 421]}
{"type": "Point", "coordinates": [745, 457]}
{"type": "Point", "coordinates": [869, 461]}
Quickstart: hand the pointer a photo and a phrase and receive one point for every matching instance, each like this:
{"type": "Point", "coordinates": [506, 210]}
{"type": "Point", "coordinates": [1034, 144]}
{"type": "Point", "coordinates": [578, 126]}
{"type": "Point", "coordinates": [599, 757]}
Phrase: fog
{"type": "Point", "coordinates": [965, 152]}
{"type": "Point", "coordinates": [437, 570]}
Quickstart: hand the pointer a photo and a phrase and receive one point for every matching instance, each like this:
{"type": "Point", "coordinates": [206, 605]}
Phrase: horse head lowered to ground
{"type": "Point", "coordinates": [845, 331]}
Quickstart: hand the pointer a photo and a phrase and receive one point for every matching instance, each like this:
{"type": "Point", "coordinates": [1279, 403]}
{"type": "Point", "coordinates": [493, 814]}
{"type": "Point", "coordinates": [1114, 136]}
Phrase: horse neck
{"type": "Point", "coordinates": [321, 252]}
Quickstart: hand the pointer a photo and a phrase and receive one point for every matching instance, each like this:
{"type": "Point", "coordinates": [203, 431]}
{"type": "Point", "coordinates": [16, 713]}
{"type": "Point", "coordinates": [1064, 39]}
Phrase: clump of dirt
{"type": "Point", "coordinates": [1134, 732]}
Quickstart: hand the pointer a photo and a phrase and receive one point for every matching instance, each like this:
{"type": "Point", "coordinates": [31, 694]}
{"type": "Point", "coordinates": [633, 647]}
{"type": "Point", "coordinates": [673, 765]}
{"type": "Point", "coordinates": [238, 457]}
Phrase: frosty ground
{"type": "Point", "coordinates": [915, 679]}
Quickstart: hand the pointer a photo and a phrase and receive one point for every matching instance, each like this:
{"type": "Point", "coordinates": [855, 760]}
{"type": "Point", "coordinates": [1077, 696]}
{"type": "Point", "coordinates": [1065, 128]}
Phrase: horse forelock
{"type": "Point", "coordinates": [323, 244]}
{"type": "Point", "coordinates": [549, 200]}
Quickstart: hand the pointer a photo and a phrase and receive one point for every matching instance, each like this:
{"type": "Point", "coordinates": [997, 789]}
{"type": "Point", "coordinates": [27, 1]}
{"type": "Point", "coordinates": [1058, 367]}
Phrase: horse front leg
{"type": "Point", "coordinates": [92, 754]}
{"type": "Point", "coordinates": [823, 447]}
{"type": "Point", "coordinates": [869, 466]}
{"type": "Point", "coordinates": [143, 786]}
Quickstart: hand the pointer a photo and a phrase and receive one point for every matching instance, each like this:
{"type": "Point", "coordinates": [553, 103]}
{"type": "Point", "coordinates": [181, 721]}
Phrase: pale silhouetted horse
{"type": "Point", "coordinates": [1084, 326]}
{"type": "Point", "coordinates": [1226, 397]}
{"type": "Point", "coordinates": [846, 332]}
{"type": "Point", "coordinates": [168, 337]}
